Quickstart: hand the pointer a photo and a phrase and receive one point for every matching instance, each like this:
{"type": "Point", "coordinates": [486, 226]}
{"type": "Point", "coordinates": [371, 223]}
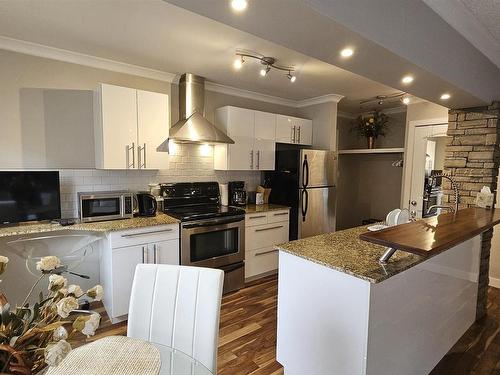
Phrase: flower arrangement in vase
{"type": "Point", "coordinates": [34, 337]}
{"type": "Point", "coordinates": [371, 126]}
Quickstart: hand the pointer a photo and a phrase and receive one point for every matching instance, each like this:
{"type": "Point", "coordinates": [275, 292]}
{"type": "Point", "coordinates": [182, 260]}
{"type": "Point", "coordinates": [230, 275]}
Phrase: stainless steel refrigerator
{"type": "Point", "coordinates": [305, 181]}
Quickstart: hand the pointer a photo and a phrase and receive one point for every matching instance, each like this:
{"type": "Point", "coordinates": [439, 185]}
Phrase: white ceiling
{"type": "Point", "coordinates": [477, 20]}
{"type": "Point", "coordinates": [161, 36]}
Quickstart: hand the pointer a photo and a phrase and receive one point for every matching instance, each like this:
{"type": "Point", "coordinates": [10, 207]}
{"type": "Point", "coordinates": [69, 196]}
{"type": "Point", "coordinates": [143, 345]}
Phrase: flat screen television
{"type": "Point", "coordinates": [29, 196]}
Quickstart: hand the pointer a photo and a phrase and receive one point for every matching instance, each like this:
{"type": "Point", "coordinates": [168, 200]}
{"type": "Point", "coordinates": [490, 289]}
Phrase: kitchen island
{"type": "Point", "coordinates": [341, 311]}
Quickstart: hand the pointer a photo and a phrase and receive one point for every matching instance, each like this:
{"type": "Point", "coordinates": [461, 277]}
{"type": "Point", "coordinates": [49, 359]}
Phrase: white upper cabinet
{"type": "Point", "coordinates": [115, 127]}
{"type": "Point", "coordinates": [152, 129]}
{"type": "Point", "coordinates": [294, 130]}
{"type": "Point", "coordinates": [129, 125]}
{"type": "Point", "coordinates": [254, 135]}
{"type": "Point", "coordinates": [304, 131]}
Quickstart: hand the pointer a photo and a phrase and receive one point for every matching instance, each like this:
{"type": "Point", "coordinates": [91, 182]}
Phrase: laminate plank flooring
{"type": "Point", "coordinates": [247, 338]}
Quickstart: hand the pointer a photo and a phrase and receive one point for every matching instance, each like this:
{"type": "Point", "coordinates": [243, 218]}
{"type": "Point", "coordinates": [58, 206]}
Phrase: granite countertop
{"type": "Point", "coordinates": [253, 208]}
{"type": "Point", "coordinates": [344, 251]}
{"type": "Point", "coordinates": [101, 226]}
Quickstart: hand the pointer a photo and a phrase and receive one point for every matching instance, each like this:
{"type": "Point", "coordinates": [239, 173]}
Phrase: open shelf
{"type": "Point", "coordinates": [373, 151]}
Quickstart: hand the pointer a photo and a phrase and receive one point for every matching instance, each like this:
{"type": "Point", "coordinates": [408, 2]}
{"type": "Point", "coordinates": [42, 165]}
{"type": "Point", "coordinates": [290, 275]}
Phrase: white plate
{"type": "Point", "coordinates": [376, 227]}
{"type": "Point", "coordinates": [392, 217]}
{"type": "Point", "coordinates": [403, 217]}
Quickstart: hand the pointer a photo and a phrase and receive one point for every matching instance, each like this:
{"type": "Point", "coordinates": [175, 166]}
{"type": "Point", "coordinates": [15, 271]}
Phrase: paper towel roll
{"type": "Point", "coordinates": [224, 194]}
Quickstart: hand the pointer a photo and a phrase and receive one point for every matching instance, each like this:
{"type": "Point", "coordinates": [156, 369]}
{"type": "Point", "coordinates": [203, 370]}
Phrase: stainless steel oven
{"type": "Point", "coordinates": [216, 243]}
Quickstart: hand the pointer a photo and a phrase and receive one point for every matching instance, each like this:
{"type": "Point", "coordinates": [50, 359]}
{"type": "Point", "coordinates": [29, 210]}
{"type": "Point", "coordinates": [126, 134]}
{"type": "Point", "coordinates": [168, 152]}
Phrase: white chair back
{"type": "Point", "coordinates": [179, 307]}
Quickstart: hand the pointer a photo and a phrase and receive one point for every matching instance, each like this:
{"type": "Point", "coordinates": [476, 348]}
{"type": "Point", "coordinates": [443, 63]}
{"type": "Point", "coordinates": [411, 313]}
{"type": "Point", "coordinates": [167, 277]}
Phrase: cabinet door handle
{"type": "Point", "coordinates": [270, 228]}
{"type": "Point", "coordinates": [257, 217]}
{"type": "Point", "coordinates": [127, 150]}
{"type": "Point", "coordinates": [298, 134]}
{"type": "Point", "coordinates": [281, 214]}
{"type": "Point", "coordinates": [251, 159]}
{"type": "Point", "coordinates": [155, 253]}
{"type": "Point", "coordinates": [266, 252]}
{"type": "Point", "coordinates": [146, 233]}
{"type": "Point", "coordinates": [141, 162]}
{"type": "Point", "coordinates": [293, 134]}
{"type": "Point", "coordinates": [145, 254]}
{"type": "Point", "coordinates": [258, 159]}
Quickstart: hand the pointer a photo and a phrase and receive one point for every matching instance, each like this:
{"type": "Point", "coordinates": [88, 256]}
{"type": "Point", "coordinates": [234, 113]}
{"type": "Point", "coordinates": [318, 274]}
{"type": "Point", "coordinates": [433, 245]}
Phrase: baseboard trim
{"type": "Point", "coordinates": [494, 282]}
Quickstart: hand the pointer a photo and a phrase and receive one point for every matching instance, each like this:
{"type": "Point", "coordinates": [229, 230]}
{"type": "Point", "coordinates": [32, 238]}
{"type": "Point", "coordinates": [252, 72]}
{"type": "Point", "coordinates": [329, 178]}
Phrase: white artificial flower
{"type": "Point", "coordinates": [47, 264]}
{"type": "Point", "coordinates": [75, 290]}
{"type": "Point", "coordinates": [55, 353]}
{"type": "Point", "coordinates": [66, 305]}
{"type": "Point", "coordinates": [91, 324]}
{"type": "Point", "coordinates": [96, 293]}
{"type": "Point", "coordinates": [60, 333]}
{"type": "Point", "coordinates": [57, 282]}
{"type": "Point", "coordinates": [63, 292]}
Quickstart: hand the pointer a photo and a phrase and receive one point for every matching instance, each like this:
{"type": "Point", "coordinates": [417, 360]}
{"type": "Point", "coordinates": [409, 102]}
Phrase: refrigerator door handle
{"type": "Point", "coordinates": [305, 172]}
{"type": "Point", "coordinates": [305, 203]}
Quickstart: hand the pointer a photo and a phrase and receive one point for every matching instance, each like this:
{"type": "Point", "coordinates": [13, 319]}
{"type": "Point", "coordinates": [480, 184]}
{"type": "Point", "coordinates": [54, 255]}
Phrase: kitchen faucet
{"type": "Point", "coordinates": [454, 186]}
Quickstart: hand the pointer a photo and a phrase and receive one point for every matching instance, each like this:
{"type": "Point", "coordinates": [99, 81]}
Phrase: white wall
{"type": "Point", "coordinates": [46, 120]}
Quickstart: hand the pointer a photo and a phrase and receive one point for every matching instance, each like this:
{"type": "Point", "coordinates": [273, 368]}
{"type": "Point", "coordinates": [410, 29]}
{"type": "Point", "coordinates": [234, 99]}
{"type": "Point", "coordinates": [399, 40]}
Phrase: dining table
{"type": "Point", "coordinates": [120, 355]}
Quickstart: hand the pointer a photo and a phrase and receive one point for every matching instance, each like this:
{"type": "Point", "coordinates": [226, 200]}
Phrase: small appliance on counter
{"type": "Point", "coordinates": [105, 205]}
{"type": "Point", "coordinates": [146, 204]}
{"type": "Point", "coordinates": [237, 193]}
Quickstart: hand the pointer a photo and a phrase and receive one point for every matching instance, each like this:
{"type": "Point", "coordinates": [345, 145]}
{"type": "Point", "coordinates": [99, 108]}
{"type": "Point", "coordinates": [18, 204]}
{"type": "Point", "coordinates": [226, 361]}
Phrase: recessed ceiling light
{"type": "Point", "coordinates": [347, 52]}
{"type": "Point", "coordinates": [238, 63]}
{"type": "Point", "coordinates": [407, 79]}
{"type": "Point", "coordinates": [239, 5]}
{"type": "Point", "coordinates": [445, 96]}
{"type": "Point", "coordinates": [406, 100]}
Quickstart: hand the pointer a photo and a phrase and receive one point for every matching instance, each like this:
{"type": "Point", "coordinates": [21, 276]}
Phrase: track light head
{"type": "Point", "coordinates": [238, 63]}
{"type": "Point", "coordinates": [291, 77]}
{"type": "Point", "coordinates": [263, 72]}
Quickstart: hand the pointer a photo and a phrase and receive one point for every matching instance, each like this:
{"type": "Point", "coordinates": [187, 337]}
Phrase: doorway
{"type": "Point", "coordinates": [427, 159]}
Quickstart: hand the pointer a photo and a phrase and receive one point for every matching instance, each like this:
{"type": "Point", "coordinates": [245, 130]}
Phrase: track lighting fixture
{"type": "Point", "coordinates": [383, 99]}
{"type": "Point", "coordinates": [268, 62]}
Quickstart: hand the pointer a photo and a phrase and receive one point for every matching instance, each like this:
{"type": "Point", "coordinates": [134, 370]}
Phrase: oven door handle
{"type": "Point", "coordinates": [212, 222]}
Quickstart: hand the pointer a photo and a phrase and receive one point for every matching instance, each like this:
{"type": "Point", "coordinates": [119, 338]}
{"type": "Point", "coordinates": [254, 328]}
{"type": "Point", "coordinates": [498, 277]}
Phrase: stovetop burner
{"type": "Point", "coordinates": [202, 212]}
{"type": "Point", "coordinates": [195, 201]}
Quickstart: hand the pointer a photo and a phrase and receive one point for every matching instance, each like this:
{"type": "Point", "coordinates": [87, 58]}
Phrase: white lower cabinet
{"type": "Point", "coordinates": [263, 231]}
{"type": "Point", "coordinates": [123, 252]}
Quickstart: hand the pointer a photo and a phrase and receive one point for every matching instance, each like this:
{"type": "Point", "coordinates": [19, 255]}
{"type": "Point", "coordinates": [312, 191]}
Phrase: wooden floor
{"type": "Point", "coordinates": [247, 343]}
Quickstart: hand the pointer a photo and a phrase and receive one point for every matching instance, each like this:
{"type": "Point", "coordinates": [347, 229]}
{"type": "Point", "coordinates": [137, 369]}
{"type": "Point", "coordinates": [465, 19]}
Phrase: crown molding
{"type": "Point", "coordinates": [40, 50]}
{"type": "Point", "coordinates": [350, 116]}
{"type": "Point", "coordinates": [319, 100]}
{"type": "Point", "coordinates": [229, 90]}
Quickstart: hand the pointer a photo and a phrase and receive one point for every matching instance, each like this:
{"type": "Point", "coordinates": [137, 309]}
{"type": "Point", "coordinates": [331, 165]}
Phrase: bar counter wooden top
{"type": "Point", "coordinates": [433, 235]}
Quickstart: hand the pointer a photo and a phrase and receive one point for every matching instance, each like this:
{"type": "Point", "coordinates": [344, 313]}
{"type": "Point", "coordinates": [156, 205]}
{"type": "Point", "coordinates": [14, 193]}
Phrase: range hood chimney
{"type": "Point", "coordinates": [193, 127]}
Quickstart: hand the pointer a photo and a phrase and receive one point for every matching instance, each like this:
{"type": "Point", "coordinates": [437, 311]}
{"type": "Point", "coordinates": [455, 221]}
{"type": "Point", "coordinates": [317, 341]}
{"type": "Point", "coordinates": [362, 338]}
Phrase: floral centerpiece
{"type": "Point", "coordinates": [371, 126]}
{"type": "Point", "coordinates": [37, 336]}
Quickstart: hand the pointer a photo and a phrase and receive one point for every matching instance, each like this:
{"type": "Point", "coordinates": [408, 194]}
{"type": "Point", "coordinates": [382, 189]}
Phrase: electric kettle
{"type": "Point", "coordinates": [146, 204]}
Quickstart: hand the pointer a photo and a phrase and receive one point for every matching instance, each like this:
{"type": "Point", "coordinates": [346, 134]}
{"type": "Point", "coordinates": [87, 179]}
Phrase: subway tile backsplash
{"type": "Point", "coordinates": [190, 163]}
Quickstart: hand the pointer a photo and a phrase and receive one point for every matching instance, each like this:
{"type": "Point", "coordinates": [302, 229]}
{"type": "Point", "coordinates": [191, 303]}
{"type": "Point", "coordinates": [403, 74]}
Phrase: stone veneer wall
{"type": "Point", "coordinates": [472, 158]}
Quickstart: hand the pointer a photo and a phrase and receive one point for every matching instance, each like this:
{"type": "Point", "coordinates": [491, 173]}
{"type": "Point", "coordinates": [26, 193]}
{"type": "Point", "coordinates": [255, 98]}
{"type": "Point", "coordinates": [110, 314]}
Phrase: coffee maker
{"type": "Point", "coordinates": [237, 193]}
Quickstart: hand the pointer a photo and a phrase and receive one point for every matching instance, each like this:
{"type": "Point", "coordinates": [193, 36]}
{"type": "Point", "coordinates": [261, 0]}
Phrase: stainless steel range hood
{"type": "Point", "coordinates": [193, 127]}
